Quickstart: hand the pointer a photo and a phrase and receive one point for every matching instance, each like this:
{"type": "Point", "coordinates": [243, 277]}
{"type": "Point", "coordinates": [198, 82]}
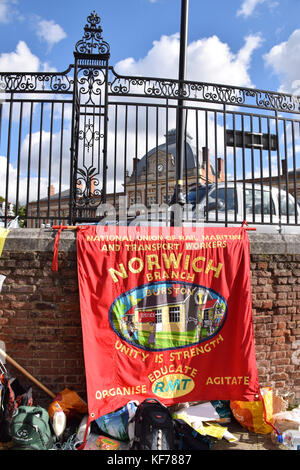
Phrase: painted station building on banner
{"type": "Point", "coordinates": [174, 314]}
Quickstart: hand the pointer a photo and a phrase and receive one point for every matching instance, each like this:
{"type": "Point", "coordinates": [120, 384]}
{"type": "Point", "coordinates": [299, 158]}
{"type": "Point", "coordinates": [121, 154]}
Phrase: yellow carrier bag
{"type": "Point", "coordinates": [256, 416]}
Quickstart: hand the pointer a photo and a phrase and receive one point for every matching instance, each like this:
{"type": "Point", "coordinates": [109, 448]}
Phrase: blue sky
{"type": "Point", "coordinates": [248, 43]}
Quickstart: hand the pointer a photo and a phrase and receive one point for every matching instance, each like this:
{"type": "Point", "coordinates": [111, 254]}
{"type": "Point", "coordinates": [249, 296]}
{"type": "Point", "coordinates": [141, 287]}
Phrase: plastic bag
{"type": "Point", "coordinates": [115, 424]}
{"type": "Point", "coordinates": [70, 403]}
{"type": "Point", "coordinates": [94, 443]}
{"type": "Point", "coordinates": [255, 415]}
{"type": "Point", "coordinates": [287, 420]}
{"type": "Point", "coordinates": [223, 409]}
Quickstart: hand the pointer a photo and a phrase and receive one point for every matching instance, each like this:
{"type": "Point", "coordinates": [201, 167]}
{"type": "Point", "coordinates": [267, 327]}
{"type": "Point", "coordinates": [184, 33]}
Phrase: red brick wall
{"type": "Point", "coordinates": [40, 321]}
{"type": "Point", "coordinates": [41, 326]}
{"type": "Point", "coordinates": [276, 317]}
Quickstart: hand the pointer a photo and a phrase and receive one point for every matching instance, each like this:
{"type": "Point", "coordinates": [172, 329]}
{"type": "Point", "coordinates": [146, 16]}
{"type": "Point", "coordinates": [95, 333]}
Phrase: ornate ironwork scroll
{"type": "Point", "coordinates": [37, 82]}
{"type": "Point", "coordinates": [88, 194]}
{"type": "Point", "coordinates": [92, 42]}
{"type": "Point", "coordinates": [89, 135]}
{"type": "Point", "coordinates": [122, 85]}
{"type": "Point", "coordinates": [90, 84]}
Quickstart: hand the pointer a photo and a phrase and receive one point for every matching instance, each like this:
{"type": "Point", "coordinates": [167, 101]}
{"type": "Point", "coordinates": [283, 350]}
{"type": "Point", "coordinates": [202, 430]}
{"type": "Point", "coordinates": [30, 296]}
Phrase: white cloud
{"type": "Point", "coordinates": [21, 60]}
{"type": "Point", "coordinates": [7, 12]}
{"type": "Point", "coordinates": [284, 60]}
{"type": "Point", "coordinates": [49, 31]}
{"type": "Point", "coordinates": [47, 138]}
{"type": "Point", "coordinates": [4, 12]}
{"type": "Point", "coordinates": [248, 6]}
{"type": "Point", "coordinates": [18, 177]}
{"type": "Point", "coordinates": [212, 61]}
{"type": "Point", "coordinates": [35, 183]}
{"type": "Point", "coordinates": [208, 60]}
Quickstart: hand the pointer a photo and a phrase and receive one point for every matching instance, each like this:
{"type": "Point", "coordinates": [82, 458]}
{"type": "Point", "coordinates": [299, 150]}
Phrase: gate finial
{"type": "Point", "coordinates": [92, 42]}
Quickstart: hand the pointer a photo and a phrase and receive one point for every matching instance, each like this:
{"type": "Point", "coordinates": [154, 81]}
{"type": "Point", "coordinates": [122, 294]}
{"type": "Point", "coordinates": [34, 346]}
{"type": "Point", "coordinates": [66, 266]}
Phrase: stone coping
{"type": "Point", "coordinates": [43, 240]}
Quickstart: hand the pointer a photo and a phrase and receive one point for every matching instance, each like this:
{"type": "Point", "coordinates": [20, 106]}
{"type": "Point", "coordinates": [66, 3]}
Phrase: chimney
{"type": "Point", "coordinates": [220, 174]}
{"type": "Point", "coordinates": [52, 190]}
{"type": "Point", "coordinates": [135, 164]}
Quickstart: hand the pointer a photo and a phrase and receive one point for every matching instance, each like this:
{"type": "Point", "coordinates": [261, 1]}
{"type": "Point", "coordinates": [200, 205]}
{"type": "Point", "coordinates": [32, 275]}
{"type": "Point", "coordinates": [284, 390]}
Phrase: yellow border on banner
{"type": "Point", "coordinates": [3, 235]}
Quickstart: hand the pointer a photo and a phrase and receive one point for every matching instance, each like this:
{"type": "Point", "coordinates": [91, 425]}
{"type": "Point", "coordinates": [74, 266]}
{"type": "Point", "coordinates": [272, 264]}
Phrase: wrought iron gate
{"type": "Point", "coordinates": [87, 142]}
{"type": "Point", "coordinates": [90, 115]}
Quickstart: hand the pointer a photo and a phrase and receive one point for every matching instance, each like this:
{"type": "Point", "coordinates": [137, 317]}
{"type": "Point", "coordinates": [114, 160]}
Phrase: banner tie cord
{"type": "Point", "coordinates": [55, 253]}
{"type": "Point", "coordinates": [246, 226]}
{"type": "Point", "coordinates": [56, 243]}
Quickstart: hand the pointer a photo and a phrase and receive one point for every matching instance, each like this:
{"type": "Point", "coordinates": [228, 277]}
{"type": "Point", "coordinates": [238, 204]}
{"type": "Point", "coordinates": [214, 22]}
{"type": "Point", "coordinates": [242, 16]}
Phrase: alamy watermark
{"type": "Point", "coordinates": [139, 214]}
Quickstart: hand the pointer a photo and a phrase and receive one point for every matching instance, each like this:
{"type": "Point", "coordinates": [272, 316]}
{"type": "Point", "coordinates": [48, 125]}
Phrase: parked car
{"type": "Point", "coordinates": [267, 209]}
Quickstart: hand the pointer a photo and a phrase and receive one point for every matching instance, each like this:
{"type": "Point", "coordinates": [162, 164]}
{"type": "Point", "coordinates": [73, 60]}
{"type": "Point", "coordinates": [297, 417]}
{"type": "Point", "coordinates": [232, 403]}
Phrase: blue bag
{"type": "Point", "coordinates": [115, 424]}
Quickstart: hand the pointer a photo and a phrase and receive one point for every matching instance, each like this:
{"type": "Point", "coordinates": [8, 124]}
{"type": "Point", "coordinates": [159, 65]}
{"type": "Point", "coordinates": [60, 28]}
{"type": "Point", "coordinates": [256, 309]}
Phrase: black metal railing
{"type": "Point", "coordinates": [89, 144]}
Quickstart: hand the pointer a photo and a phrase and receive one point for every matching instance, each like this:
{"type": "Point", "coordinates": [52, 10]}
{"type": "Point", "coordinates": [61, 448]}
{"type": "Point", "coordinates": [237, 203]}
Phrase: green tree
{"type": "Point", "coordinates": [22, 215]}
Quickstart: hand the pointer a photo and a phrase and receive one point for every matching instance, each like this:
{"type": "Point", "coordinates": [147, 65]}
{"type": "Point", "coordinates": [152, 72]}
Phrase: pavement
{"type": "Point", "coordinates": [246, 440]}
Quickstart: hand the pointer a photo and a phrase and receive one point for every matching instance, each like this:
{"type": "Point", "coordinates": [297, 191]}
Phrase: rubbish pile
{"type": "Point", "coordinates": [146, 425]}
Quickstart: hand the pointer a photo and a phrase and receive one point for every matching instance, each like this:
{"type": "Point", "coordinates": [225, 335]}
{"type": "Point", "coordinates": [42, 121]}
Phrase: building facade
{"type": "Point", "coordinates": [152, 181]}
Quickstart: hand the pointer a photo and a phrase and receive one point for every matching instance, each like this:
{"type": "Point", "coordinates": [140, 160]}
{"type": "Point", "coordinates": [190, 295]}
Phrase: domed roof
{"type": "Point", "coordinates": [190, 160]}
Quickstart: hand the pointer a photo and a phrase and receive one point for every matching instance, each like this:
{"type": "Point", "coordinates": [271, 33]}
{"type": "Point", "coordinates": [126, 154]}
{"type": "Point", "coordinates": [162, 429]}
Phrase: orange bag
{"type": "Point", "coordinates": [70, 403]}
{"type": "Point", "coordinates": [255, 415]}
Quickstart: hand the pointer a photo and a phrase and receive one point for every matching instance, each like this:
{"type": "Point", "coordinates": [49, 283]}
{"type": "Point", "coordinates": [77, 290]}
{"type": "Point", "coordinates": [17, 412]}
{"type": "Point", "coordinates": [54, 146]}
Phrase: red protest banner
{"type": "Point", "coordinates": [166, 313]}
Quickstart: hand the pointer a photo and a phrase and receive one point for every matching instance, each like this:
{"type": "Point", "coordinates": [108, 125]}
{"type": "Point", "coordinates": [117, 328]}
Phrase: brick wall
{"type": "Point", "coordinates": [276, 317]}
{"type": "Point", "coordinates": [40, 314]}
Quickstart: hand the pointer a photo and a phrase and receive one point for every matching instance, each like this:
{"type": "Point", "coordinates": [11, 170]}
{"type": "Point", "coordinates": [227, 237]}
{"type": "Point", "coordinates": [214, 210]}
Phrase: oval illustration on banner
{"type": "Point", "coordinates": [168, 315]}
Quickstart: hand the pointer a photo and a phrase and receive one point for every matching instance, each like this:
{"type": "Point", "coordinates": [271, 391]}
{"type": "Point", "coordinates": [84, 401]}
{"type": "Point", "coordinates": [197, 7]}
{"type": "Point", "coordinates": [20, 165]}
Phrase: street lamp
{"type": "Point", "coordinates": [178, 196]}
